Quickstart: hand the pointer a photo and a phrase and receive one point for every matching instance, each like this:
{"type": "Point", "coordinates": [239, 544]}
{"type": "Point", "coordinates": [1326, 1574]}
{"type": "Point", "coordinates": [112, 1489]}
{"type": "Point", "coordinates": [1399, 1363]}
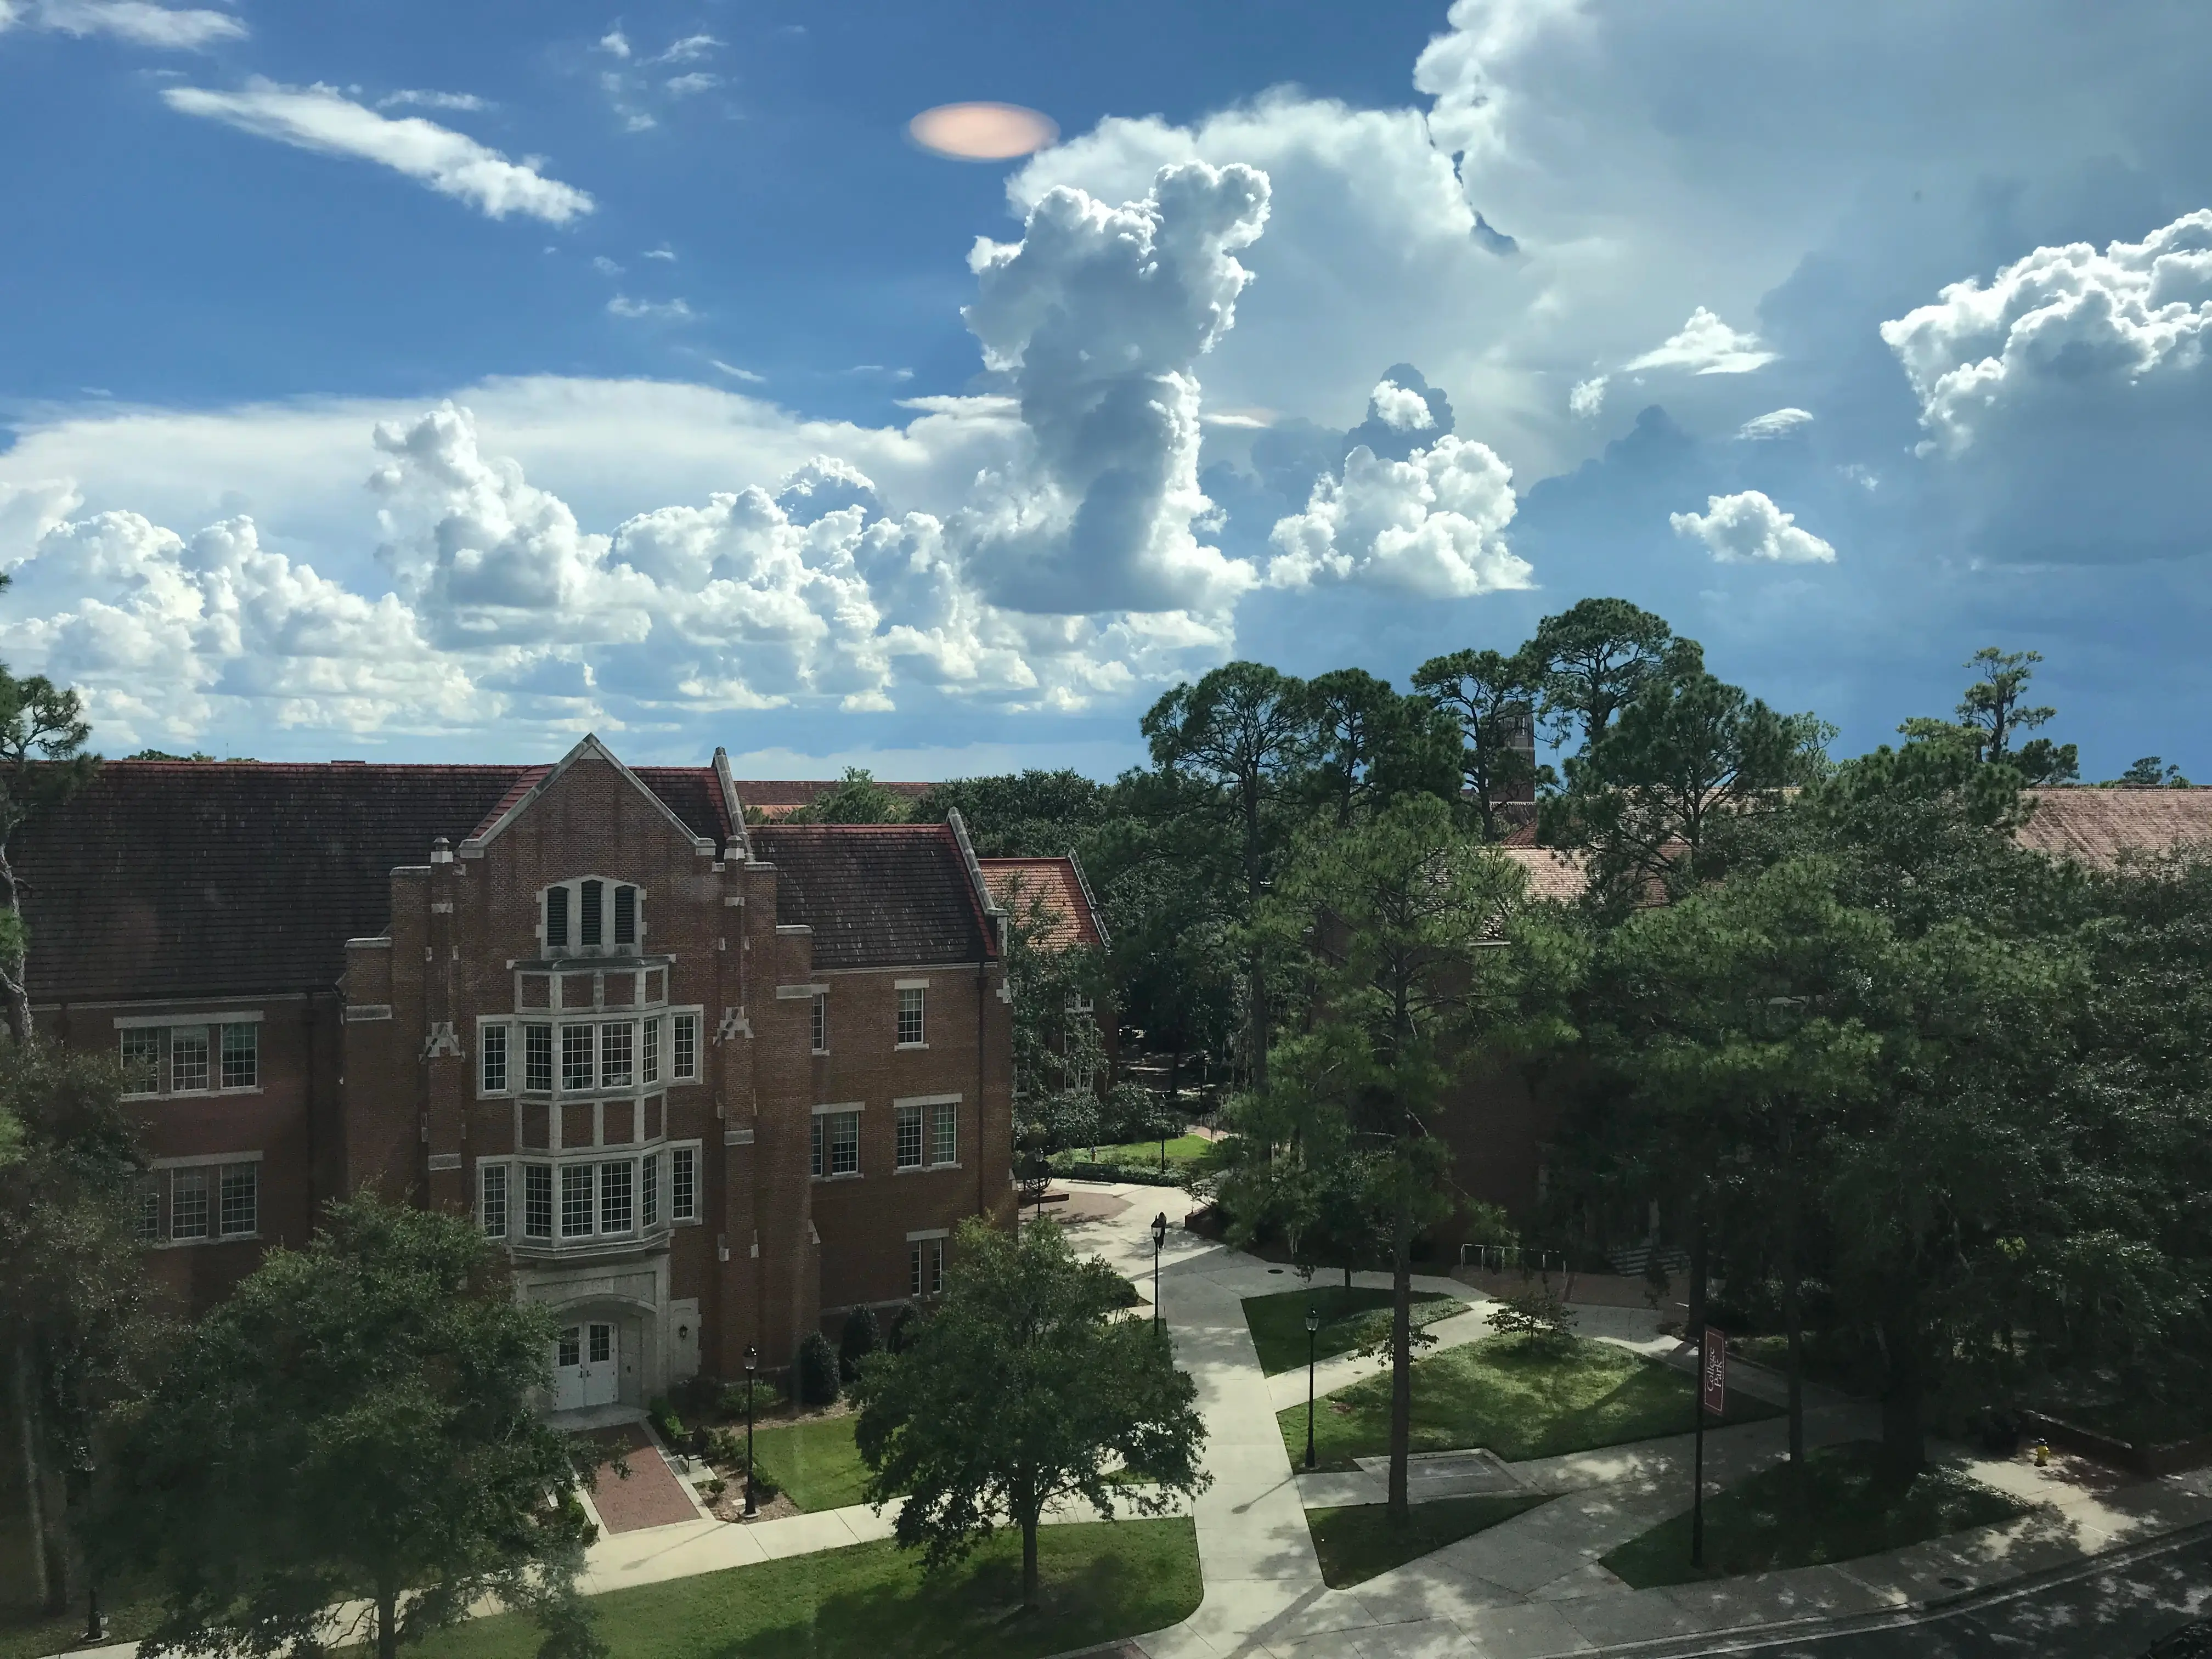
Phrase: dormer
{"type": "Point", "coordinates": [591, 916]}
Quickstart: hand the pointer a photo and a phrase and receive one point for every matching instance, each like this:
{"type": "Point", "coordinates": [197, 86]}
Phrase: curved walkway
{"type": "Point", "coordinates": [1532, 1586]}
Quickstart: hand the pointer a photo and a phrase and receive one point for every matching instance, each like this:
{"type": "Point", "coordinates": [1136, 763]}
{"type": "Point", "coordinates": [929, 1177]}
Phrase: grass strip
{"type": "Point", "coordinates": [1359, 1541]}
{"type": "Point", "coordinates": [1277, 1321]}
{"type": "Point", "coordinates": [1850, 1506]}
{"type": "Point", "coordinates": [1518, 1399]}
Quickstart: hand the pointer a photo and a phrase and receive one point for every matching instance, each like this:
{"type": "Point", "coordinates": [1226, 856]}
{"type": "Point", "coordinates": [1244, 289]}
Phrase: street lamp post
{"type": "Point", "coordinates": [1313, 1329]}
{"type": "Point", "coordinates": [752, 1364]}
{"type": "Point", "coordinates": [1159, 1242]}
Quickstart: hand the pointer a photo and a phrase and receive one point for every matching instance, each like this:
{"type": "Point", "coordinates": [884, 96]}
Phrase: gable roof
{"type": "Point", "coordinates": [1057, 887]}
{"type": "Point", "coordinates": [876, 895]}
{"type": "Point", "coordinates": [698, 783]}
{"type": "Point", "coordinates": [2095, 826]}
{"type": "Point", "coordinates": [211, 879]}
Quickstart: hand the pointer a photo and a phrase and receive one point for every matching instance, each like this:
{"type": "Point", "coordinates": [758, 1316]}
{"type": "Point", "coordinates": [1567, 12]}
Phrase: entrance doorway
{"type": "Point", "coordinates": [586, 1366]}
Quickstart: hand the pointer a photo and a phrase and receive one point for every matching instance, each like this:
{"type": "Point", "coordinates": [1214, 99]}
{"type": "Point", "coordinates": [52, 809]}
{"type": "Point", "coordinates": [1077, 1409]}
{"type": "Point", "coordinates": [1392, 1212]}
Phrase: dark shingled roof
{"type": "Point", "coordinates": [2095, 826]}
{"type": "Point", "coordinates": [775, 799]}
{"type": "Point", "coordinates": [876, 895]}
{"type": "Point", "coordinates": [167, 880]}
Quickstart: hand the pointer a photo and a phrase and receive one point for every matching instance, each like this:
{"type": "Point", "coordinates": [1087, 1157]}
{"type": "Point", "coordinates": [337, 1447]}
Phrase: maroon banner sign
{"type": "Point", "coordinates": [1712, 1372]}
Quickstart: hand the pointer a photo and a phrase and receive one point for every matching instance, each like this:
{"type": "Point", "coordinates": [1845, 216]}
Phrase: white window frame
{"type": "Point", "coordinates": [919, 990]}
{"type": "Point", "coordinates": [680, 1020]}
{"type": "Point", "coordinates": [500, 1033]}
{"type": "Point", "coordinates": [211, 1170]}
{"type": "Point", "coordinates": [589, 1070]}
{"type": "Point", "coordinates": [648, 1051]}
{"type": "Point", "coordinates": [215, 1023]}
{"type": "Point", "coordinates": [691, 1152]}
{"type": "Point", "coordinates": [822, 1150]}
{"type": "Point", "coordinates": [820, 1015]}
{"type": "Point", "coordinates": [904, 1118]}
{"type": "Point", "coordinates": [546, 1167]}
{"type": "Point", "coordinates": [529, 1027]}
{"type": "Point", "coordinates": [624, 1031]}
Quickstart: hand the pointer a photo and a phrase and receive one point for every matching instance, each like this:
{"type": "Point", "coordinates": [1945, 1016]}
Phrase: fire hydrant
{"type": "Point", "coordinates": [2043, 1453]}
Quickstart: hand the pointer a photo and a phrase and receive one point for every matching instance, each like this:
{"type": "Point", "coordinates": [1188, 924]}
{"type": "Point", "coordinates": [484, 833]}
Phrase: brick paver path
{"type": "Point", "coordinates": [651, 1496]}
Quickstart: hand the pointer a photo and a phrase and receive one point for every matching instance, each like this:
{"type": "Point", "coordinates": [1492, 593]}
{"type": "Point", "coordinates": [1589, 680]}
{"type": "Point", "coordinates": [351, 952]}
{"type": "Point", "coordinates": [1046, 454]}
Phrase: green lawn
{"type": "Point", "coordinates": [1357, 1542]}
{"type": "Point", "coordinates": [1518, 1401]}
{"type": "Point", "coordinates": [1101, 1580]}
{"type": "Point", "coordinates": [815, 1462]}
{"type": "Point", "coordinates": [1182, 1149]}
{"type": "Point", "coordinates": [26, 1635]}
{"type": "Point", "coordinates": [1849, 1508]}
{"type": "Point", "coordinates": [1279, 1322]}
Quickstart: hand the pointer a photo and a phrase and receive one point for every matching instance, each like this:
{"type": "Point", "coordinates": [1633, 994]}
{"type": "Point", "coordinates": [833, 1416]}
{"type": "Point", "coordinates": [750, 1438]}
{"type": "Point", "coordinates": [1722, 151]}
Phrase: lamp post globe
{"type": "Point", "coordinates": [752, 1364]}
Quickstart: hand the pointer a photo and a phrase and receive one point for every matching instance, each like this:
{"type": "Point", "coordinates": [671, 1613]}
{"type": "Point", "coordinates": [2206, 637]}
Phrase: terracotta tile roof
{"type": "Point", "coordinates": [1056, 885]}
{"type": "Point", "coordinates": [166, 878]}
{"type": "Point", "coordinates": [876, 895]}
{"type": "Point", "coordinates": [1553, 873]}
{"type": "Point", "coordinates": [775, 799]}
{"type": "Point", "coordinates": [2095, 826]}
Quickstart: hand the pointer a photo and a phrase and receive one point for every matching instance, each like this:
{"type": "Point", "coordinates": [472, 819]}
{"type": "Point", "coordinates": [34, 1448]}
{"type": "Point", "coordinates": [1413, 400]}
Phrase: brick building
{"type": "Point", "coordinates": [705, 1083]}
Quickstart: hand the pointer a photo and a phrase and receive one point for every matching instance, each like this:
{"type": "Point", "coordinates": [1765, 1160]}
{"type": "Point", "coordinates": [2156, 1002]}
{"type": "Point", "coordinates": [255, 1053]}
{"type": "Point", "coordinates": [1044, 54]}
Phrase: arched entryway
{"type": "Point", "coordinates": [600, 1357]}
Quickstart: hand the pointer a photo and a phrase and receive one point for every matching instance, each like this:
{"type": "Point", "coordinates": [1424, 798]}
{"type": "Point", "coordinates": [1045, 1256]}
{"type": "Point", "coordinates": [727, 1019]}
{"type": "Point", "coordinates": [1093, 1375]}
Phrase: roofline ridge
{"type": "Point", "coordinates": [995, 918]}
{"type": "Point", "coordinates": [589, 744]}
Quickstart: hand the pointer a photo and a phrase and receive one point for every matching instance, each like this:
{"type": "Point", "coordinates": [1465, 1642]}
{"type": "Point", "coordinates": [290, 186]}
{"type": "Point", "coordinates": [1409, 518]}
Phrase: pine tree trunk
{"type": "Point", "coordinates": [1402, 1351]}
{"type": "Point", "coordinates": [15, 977]}
{"type": "Point", "coordinates": [1904, 1437]}
{"type": "Point", "coordinates": [26, 1424]}
{"type": "Point", "coordinates": [387, 1622]}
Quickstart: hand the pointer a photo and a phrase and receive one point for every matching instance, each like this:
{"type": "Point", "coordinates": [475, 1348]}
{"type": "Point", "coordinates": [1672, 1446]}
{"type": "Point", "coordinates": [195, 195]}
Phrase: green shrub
{"type": "Point", "coordinates": [862, 1337]}
{"type": "Point", "coordinates": [817, 1371]}
{"type": "Point", "coordinates": [1537, 1316]}
{"type": "Point", "coordinates": [904, 1324]}
{"type": "Point", "coordinates": [666, 1424]}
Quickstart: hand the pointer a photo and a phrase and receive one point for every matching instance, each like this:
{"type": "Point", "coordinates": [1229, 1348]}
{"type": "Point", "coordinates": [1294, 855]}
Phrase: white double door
{"type": "Point", "coordinates": [586, 1366]}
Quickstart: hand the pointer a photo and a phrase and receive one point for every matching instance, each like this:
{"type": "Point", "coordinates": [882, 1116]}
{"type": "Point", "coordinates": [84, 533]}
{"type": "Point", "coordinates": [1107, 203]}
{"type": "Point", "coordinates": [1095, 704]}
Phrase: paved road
{"type": "Point", "coordinates": [2114, 1615]}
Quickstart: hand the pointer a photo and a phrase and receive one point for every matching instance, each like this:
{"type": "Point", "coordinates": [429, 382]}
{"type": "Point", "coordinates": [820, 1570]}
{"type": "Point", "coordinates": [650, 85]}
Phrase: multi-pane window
{"type": "Point", "coordinates": [616, 1192]}
{"type": "Point", "coordinates": [686, 1049]}
{"type": "Point", "coordinates": [494, 1045]}
{"type": "Point", "coordinates": [556, 918]}
{"type": "Point", "coordinates": [146, 1217]}
{"type": "Point", "coordinates": [239, 1206]}
{"type": "Point", "coordinates": [925, 1260]}
{"type": "Point", "coordinates": [575, 1058]}
{"type": "Point", "coordinates": [588, 895]}
{"type": "Point", "coordinates": [944, 1134]}
{"type": "Point", "coordinates": [576, 1184]}
{"type": "Point", "coordinates": [821, 1022]}
{"type": "Point", "coordinates": [683, 1183]}
{"type": "Point", "coordinates": [241, 1056]}
{"type": "Point", "coordinates": [909, 1138]}
{"type": "Point", "coordinates": [568, 1350]}
{"type": "Point", "coordinates": [649, 1057]}
{"type": "Point", "coordinates": [910, 1015]}
{"type": "Point", "coordinates": [648, 1190]}
{"type": "Point", "coordinates": [615, 1044]}
{"type": "Point", "coordinates": [142, 1059]}
{"type": "Point", "coordinates": [835, 1149]}
{"type": "Point", "coordinates": [625, 915]}
{"type": "Point", "coordinates": [188, 1059]}
{"type": "Point", "coordinates": [494, 1179]}
{"type": "Point", "coordinates": [603, 1344]}
{"type": "Point", "coordinates": [188, 1203]}
{"type": "Point", "coordinates": [537, 1059]}
{"type": "Point", "coordinates": [537, 1200]}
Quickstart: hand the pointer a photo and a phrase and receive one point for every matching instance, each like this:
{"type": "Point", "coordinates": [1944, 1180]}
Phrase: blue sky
{"type": "Point", "coordinates": [430, 382]}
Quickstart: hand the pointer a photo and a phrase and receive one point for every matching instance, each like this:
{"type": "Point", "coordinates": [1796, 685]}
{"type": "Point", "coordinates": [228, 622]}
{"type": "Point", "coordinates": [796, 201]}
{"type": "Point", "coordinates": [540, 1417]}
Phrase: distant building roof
{"type": "Point", "coordinates": [876, 895]}
{"type": "Point", "coordinates": [2095, 826]}
{"type": "Point", "coordinates": [1057, 887]}
{"type": "Point", "coordinates": [207, 879]}
{"type": "Point", "coordinates": [1553, 872]}
{"type": "Point", "coordinates": [775, 798]}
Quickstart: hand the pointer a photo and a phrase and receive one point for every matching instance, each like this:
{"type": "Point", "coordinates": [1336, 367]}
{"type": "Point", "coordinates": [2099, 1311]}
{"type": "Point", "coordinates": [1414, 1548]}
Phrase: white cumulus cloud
{"type": "Point", "coordinates": [1399, 409]}
{"type": "Point", "coordinates": [1096, 319]}
{"type": "Point", "coordinates": [665, 311]}
{"type": "Point", "coordinates": [1775, 423]}
{"type": "Point", "coordinates": [2068, 402]}
{"type": "Point", "coordinates": [1585, 398]}
{"type": "Point", "coordinates": [684, 86]}
{"type": "Point", "coordinates": [1433, 525]}
{"type": "Point", "coordinates": [135, 21]}
{"type": "Point", "coordinates": [1705, 345]}
{"type": "Point", "coordinates": [319, 118]}
{"type": "Point", "coordinates": [1749, 528]}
